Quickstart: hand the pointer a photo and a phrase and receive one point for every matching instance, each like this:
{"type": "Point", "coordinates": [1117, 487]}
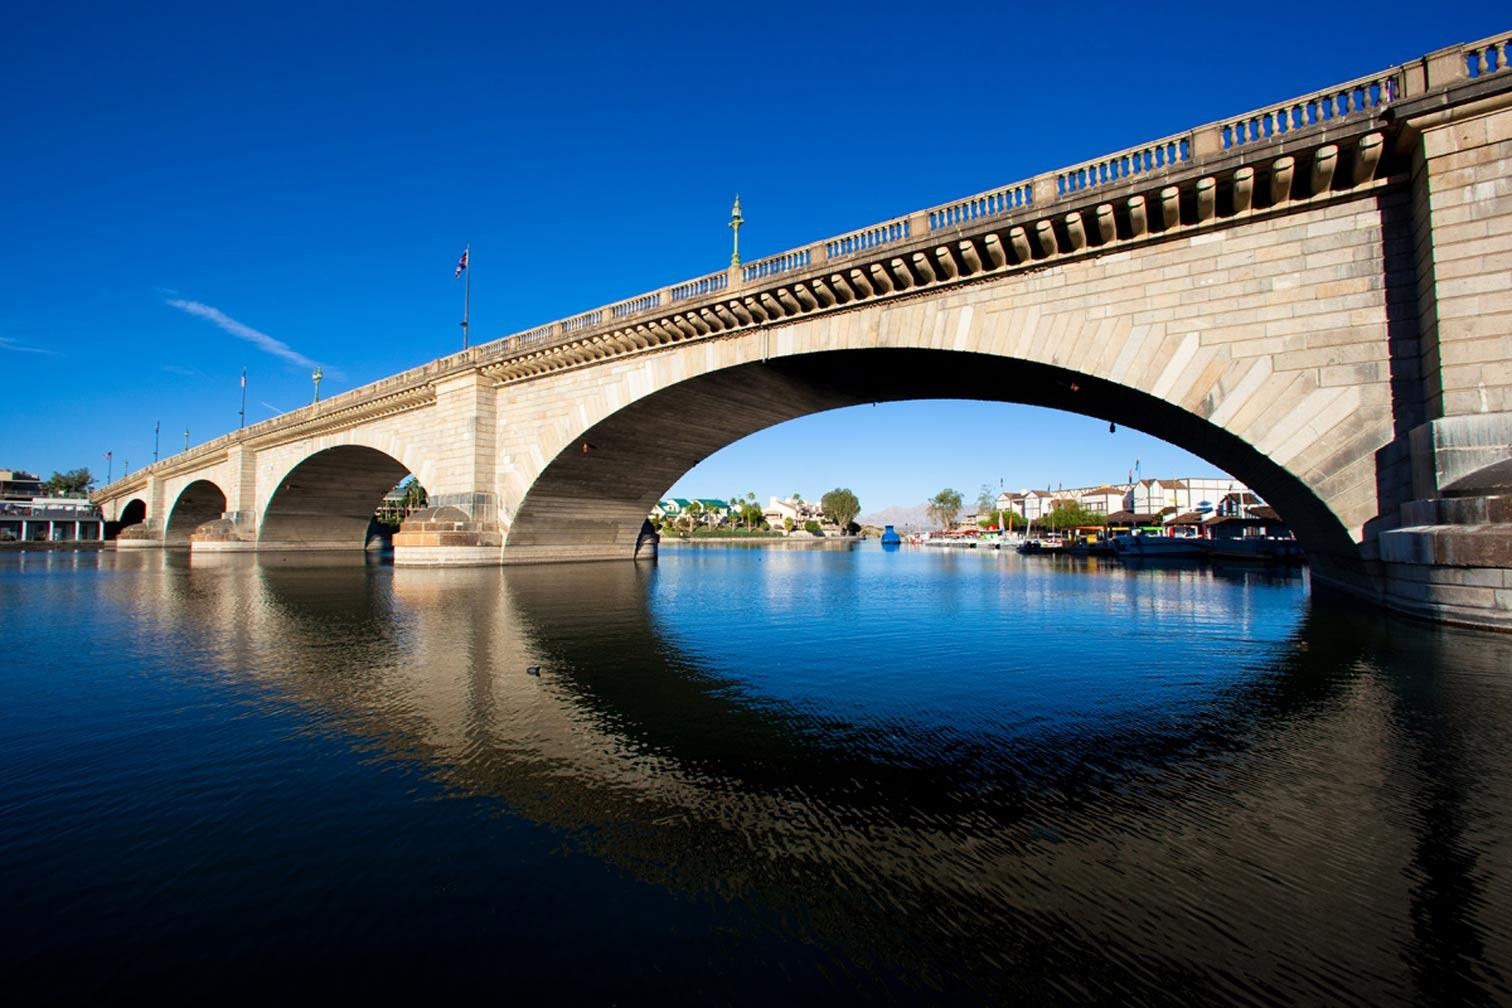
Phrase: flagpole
{"type": "Point", "coordinates": [243, 421]}
{"type": "Point", "coordinates": [466, 295]}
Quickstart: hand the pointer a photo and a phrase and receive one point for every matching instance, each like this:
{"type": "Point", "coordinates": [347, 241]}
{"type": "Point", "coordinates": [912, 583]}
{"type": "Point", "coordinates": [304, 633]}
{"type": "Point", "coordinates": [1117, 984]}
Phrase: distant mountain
{"type": "Point", "coordinates": [904, 519]}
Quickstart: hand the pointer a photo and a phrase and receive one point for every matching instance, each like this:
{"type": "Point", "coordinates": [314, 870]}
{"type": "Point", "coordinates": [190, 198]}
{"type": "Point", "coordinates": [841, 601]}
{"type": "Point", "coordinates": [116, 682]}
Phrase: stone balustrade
{"type": "Point", "coordinates": [703, 286]}
{"type": "Point", "coordinates": [1125, 164]}
{"type": "Point", "coordinates": [974, 208]}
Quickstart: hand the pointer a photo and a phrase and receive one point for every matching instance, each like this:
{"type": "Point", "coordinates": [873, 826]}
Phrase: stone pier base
{"type": "Point", "coordinates": [141, 536]}
{"type": "Point", "coordinates": [221, 536]}
{"type": "Point", "coordinates": [1451, 557]}
{"type": "Point", "coordinates": [225, 546]}
{"type": "Point", "coordinates": [447, 537]}
{"type": "Point", "coordinates": [1453, 562]}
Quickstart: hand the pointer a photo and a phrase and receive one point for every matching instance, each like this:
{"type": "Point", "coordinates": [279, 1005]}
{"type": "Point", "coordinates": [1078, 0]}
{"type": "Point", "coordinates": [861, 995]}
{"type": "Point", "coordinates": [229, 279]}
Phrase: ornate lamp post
{"type": "Point", "coordinates": [735, 221]}
{"type": "Point", "coordinates": [315, 377]}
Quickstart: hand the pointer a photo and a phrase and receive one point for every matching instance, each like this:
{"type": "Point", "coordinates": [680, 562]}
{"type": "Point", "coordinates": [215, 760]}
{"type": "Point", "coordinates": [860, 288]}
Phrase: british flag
{"type": "Point", "coordinates": [461, 263]}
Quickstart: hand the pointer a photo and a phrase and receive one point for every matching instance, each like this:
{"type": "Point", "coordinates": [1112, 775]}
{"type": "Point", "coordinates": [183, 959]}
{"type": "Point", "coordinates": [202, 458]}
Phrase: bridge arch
{"type": "Point", "coordinates": [199, 502]}
{"type": "Point", "coordinates": [133, 512]}
{"type": "Point", "coordinates": [598, 488]}
{"type": "Point", "coordinates": [327, 499]}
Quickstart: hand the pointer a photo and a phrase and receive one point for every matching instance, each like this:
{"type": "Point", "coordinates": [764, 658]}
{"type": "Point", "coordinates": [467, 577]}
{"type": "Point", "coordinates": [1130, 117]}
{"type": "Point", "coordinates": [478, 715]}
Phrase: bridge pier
{"type": "Point", "coordinates": [232, 532]}
{"type": "Point", "coordinates": [448, 536]}
{"type": "Point", "coordinates": [143, 535]}
{"type": "Point", "coordinates": [1451, 559]}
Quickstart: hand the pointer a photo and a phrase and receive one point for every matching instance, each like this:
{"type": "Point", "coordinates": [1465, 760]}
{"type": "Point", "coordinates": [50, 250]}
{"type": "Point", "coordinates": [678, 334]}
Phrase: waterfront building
{"type": "Point", "coordinates": [1189, 493]}
{"type": "Point", "coordinates": [1105, 499]}
{"type": "Point", "coordinates": [1035, 504]}
{"type": "Point", "coordinates": [710, 510]}
{"type": "Point", "coordinates": [28, 514]}
{"type": "Point", "coordinates": [800, 511]}
{"type": "Point", "coordinates": [1007, 501]}
{"type": "Point", "coordinates": [19, 485]}
{"type": "Point", "coordinates": [1151, 496]}
{"type": "Point", "coordinates": [50, 519]}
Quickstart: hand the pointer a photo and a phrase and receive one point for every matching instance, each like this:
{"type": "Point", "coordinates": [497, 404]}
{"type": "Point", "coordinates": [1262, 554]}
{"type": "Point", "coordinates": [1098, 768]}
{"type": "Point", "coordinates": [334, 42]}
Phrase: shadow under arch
{"type": "Point", "coordinates": [201, 501]}
{"type": "Point", "coordinates": [327, 500]}
{"type": "Point", "coordinates": [134, 513]}
{"type": "Point", "coordinates": [611, 476]}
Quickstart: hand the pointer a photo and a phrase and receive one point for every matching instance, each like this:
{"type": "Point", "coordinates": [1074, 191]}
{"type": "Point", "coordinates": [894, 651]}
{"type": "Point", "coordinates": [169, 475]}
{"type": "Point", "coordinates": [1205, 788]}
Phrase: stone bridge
{"type": "Point", "coordinates": [1315, 297]}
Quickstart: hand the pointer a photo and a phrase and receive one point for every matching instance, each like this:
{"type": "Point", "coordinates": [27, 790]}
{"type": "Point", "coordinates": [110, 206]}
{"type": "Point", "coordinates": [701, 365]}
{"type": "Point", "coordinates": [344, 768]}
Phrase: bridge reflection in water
{"type": "Point", "coordinates": [1117, 784]}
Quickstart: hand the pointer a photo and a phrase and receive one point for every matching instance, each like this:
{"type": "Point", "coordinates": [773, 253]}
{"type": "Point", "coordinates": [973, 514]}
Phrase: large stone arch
{"type": "Point", "coordinates": [326, 499]}
{"type": "Point", "coordinates": [1280, 354]}
{"type": "Point", "coordinates": [200, 502]}
{"type": "Point", "coordinates": [596, 500]}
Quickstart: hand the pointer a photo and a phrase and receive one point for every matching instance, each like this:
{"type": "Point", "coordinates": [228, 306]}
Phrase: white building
{"type": "Point", "coordinates": [1104, 500]}
{"type": "Point", "coordinates": [799, 511]}
{"type": "Point", "coordinates": [1190, 493]}
{"type": "Point", "coordinates": [51, 519]}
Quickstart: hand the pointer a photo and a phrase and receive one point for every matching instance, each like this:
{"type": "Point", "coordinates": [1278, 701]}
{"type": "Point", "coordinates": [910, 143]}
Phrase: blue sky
{"type": "Point", "coordinates": [190, 189]}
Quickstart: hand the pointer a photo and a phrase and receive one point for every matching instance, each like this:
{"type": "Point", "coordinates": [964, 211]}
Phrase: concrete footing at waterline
{"type": "Point", "coordinates": [54, 546]}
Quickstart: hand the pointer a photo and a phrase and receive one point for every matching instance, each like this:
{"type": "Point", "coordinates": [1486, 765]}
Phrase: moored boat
{"type": "Point", "coordinates": [1135, 545]}
{"type": "Point", "coordinates": [1267, 549]}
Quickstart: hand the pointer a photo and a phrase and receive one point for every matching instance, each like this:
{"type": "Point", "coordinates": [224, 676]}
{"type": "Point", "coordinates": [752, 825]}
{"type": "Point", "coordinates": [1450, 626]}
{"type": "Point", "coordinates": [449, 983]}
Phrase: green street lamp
{"type": "Point", "coordinates": [735, 221]}
{"type": "Point", "coordinates": [318, 374]}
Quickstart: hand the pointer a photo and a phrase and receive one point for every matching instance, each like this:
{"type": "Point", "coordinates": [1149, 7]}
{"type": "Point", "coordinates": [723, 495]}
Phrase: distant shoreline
{"type": "Point", "coordinates": [761, 540]}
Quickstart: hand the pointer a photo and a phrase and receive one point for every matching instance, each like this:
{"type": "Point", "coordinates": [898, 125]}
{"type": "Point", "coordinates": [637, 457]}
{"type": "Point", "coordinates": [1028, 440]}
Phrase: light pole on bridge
{"type": "Point", "coordinates": [736, 219]}
{"type": "Point", "coordinates": [315, 377]}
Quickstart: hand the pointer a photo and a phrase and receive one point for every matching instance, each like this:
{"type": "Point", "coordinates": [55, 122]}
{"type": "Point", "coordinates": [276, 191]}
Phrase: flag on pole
{"type": "Point", "coordinates": [244, 377]}
{"type": "Point", "coordinates": [461, 263]}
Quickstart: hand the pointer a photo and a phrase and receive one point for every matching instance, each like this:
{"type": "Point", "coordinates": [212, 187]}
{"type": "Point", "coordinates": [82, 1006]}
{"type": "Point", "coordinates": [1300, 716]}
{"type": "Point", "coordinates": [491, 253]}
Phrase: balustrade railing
{"type": "Point", "coordinates": [531, 337]}
{"type": "Point", "coordinates": [710, 284]}
{"type": "Point", "coordinates": [989, 204]}
{"type": "Point", "coordinates": [867, 238]}
{"type": "Point", "coordinates": [1141, 160]}
{"type": "Point", "coordinates": [1337, 102]}
{"type": "Point", "coordinates": [587, 320]}
{"type": "Point", "coordinates": [636, 305]}
{"type": "Point", "coordinates": [786, 262]}
{"type": "Point", "coordinates": [1487, 56]}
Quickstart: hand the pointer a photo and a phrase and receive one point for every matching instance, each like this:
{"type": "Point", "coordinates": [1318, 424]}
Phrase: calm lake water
{"type": "Point", "coordinates": [757, 775]}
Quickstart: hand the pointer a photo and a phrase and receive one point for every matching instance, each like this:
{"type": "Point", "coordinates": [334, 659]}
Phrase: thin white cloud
{"type": "Point", "coordinates": [271, 407]}
{"type": "Point", "coordinates": [6, 343]}
{"type": "Point", "coordinates": [276, 347]}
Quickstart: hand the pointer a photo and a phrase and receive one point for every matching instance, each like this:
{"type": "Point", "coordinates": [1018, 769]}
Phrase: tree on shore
{"type": "Point", "coordinates": [1071, 515]}
{"type": "Point", "coordinates": [840, 506]}
{"type": "Point", "coordinates": [75, 482]}
{"type": "Point", "coordinates": [986, 499]}
{"type": "Point", "coordinates": [750, 513]}
{"type": "Point", "coordinates": [1011, 520]}
{"type": "Point", "coordinates": [944, 506]}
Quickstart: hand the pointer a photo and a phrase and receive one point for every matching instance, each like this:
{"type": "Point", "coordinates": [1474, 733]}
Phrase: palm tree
{"type": "Point", "coordinates": [695, 515]}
